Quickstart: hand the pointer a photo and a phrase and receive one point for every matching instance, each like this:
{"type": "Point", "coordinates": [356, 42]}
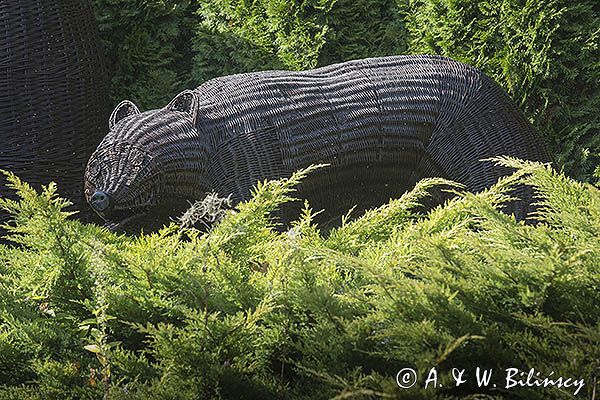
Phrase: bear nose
{"type": "Point", "coordinates": [100, 201]}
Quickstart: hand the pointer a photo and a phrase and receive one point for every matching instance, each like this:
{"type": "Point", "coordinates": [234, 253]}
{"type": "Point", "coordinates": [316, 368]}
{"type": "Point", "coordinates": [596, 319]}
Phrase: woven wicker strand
{"type": "Point", "coordinates": [382, 124]}
{"type": "Point", "coordinates": [53, 92]}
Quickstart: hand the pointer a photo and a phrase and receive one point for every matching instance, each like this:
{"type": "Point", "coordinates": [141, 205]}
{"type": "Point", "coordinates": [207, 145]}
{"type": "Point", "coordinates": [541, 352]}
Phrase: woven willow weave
{"type": "Point", "coordinates": [381, 123]}
{"type": "Point", "coordinates": [53, 91]}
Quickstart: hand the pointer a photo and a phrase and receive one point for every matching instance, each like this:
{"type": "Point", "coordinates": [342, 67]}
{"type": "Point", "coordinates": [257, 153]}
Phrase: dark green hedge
{"type": "Point", "coordinates": [545, 53]}
{"type": "Point", "coordinates": [147, 46]}
{"type": "Point", "coordinates": [294, 35]}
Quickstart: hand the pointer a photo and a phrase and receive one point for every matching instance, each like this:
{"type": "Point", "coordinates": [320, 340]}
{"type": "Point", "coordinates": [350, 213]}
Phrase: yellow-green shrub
{"type": "Point", "coordinates": [249, 311]}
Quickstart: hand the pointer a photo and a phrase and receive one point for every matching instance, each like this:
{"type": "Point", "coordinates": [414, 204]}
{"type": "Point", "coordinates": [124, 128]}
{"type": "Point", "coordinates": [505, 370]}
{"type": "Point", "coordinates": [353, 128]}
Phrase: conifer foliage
{"type": "Point", "coordinates": [544, 53]}
{"type": "Point", "coordinates": [251, 310]}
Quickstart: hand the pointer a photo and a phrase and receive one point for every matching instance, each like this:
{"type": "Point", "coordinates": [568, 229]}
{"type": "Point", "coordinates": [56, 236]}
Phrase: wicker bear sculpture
{"type": "Point", "coordinates": [381, 124]}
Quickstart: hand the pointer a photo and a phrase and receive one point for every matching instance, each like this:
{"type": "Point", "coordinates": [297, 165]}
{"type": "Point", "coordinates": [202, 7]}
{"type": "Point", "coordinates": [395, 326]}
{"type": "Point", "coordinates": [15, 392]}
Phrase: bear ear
{"type": "Point", "coordinates": [125, 109]}
{"type": "Point", "coordinates": [186, 102]}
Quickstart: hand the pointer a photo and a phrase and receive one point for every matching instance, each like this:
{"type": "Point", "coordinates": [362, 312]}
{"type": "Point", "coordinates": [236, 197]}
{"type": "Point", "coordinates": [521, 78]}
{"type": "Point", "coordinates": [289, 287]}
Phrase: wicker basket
{"type": "Point", "coordinates": [53, 92]}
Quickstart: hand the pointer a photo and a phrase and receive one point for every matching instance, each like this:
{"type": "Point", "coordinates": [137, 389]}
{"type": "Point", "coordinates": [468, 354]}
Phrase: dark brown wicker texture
{"type": "Point", "coordinates": [53, 92]}
{"type": "Point", "coordinates": [381, 123]}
